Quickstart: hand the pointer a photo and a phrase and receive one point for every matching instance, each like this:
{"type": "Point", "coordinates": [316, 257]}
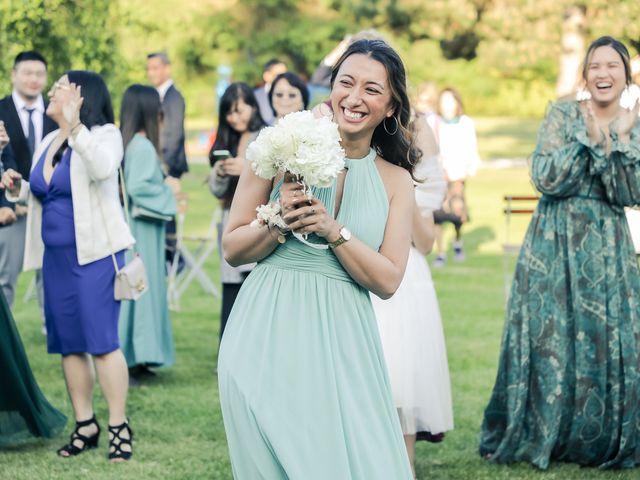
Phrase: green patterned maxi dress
{"type": "Point", "coordinates": [568, 385]}
{"type": "Point", "coordinates": [25, 413]}
{"type": "Point", "coordinates": [304, 389]}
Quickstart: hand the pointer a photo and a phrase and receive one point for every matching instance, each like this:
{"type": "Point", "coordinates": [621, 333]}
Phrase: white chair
{"type": "Point", "coordinates": [633, 218]}
{"type": "Point", "coordinates": [194, 259]}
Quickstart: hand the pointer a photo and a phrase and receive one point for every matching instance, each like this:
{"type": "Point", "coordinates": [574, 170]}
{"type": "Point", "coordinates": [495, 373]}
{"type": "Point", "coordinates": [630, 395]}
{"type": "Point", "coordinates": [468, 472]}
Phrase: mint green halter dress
{"type": "Point", "coordinates": [303, 384]}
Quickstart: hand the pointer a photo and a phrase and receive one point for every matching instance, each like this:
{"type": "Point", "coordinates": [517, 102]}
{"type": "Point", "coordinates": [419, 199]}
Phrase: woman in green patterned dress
{"type": "Point", "coordinates": [568, 383]}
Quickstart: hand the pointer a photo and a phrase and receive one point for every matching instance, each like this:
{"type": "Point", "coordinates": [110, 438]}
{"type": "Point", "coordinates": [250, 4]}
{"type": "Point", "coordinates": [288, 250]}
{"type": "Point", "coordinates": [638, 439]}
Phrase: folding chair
{"type": "Point", "coordinates": [515, 205]}
{"type": "Point", "coordinates": [194, 260]}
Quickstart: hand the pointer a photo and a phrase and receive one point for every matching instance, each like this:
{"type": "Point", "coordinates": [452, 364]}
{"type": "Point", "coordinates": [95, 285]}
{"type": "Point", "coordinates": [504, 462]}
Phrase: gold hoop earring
{"type": "Point", "coordinates": [384, 125]}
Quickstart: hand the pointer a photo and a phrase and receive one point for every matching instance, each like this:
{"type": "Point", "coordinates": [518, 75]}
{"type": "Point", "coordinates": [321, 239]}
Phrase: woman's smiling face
{"type": "Point", "coordinates": [605, 75]}
{"type": "Point", "coordinates": [361, 95]}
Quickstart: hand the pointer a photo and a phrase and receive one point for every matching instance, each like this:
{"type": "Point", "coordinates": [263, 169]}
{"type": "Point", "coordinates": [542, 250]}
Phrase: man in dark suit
{"type": "Point", "coordinates": [271, 70]}
{"type": "Point", "coordinates": [26, 123]}
{"type": "Point", "coordinates": [172, 136]}
{"type": "Point", "coordinates": [172, 132]}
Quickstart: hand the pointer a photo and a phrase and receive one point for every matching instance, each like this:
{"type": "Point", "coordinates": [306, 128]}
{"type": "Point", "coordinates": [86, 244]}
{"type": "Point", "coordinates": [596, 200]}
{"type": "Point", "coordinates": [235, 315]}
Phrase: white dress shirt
{"type": "Point", "coordinates": [162, 89]}
{"type": "Point", "coordinates": [37, 117]}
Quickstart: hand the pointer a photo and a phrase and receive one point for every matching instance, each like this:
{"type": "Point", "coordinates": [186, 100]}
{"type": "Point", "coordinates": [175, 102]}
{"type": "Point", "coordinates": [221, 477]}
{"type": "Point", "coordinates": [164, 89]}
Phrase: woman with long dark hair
{"type": "Point", "coordinates": [303, 385]}
{"type": "Point", "coordinates": [76, 231]}
{"type": "Point", "coordinates": [568, 382]}
{"type": "Point", "coordinates": [239, 123]}
{"type": "Point", "coordinates": [145, 326]}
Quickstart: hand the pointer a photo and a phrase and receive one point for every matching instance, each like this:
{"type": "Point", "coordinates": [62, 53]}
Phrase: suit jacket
{"type": "Point", "coordinates": [266, 113]}
{"type": "Point", "coordinates": [172, 135]}
{"type": "Point", "coordinates": [9, 115]}
{"type": "Point", "coordinates": [100, 227]}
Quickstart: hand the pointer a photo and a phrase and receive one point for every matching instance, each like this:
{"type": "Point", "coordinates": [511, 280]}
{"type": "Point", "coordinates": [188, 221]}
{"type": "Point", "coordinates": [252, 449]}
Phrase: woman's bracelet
{"type": "Point", "coordinates": [280, 235]}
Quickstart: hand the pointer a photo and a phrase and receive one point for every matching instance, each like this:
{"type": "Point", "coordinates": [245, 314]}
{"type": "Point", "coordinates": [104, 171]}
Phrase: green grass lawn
{"type": "Point", "coordinates": [176, 417]}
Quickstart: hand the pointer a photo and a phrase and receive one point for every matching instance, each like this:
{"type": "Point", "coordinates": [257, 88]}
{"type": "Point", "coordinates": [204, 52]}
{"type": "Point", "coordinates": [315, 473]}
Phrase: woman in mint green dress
{"type": "Point", "coordinates": [145, 326]}
{"type": "Point", "coordinates": [303, 384]}
{"type": "Point", "coordinates": [568, 383]}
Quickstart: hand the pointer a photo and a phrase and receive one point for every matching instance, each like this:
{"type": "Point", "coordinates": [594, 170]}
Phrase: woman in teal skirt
{"type": "Point", "coordinates": [146, 336]}
{"type": "Point", "coordinates": [568, 383]}
{"type": "Point", "coordinates": [24, 411]}
{"type": "Point", "coordinates": [303, 384]}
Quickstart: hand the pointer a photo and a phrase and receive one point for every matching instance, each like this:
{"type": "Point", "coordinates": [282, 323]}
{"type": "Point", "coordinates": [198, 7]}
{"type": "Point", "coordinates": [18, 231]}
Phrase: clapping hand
{"type": "Point", "coordinates": [4, 137]}
{"type": "Point", "coordinates": [12, 180]}
{"type": "Point", "coordinates": [626, 121]}
{"type": "Point", "coordinates": [71, 105]}
{"type": "Point", "coordinates": [595, 133]}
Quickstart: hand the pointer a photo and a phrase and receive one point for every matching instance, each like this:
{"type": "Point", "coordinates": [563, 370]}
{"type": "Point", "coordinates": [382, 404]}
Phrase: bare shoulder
{"type": "Point", "coordinates": [395, 179]}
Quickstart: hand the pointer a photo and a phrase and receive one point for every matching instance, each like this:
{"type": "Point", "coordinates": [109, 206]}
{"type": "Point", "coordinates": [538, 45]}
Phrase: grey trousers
{"type": "Point", "coordinates": [12, 239]}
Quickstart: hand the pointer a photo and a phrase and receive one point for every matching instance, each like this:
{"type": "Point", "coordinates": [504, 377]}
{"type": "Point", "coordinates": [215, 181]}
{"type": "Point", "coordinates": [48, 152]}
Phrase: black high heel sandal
{"type": "Point", "coordinates": [116, 442]}
{"type": "Point", "coordinates": [71, 449]}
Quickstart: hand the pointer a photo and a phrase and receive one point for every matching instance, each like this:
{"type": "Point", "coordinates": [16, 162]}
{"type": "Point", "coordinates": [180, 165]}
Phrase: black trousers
{"type": "Point", "coordinates": [229, 294]}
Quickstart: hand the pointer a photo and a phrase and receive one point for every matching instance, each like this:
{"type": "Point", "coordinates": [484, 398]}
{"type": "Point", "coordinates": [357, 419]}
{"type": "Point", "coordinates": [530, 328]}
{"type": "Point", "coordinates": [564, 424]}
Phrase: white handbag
{"type": "Point", "coordinates": [131, 280]}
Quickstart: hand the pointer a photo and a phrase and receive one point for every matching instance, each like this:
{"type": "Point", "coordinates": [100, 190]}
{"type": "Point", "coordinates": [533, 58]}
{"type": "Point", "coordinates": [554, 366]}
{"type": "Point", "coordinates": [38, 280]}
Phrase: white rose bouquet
{"type": "Point", "coordinates": [306, 147]}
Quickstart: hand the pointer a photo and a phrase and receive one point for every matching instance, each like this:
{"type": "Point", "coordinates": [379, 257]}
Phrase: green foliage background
{"type": "Point", "coordinates": [501, 54]}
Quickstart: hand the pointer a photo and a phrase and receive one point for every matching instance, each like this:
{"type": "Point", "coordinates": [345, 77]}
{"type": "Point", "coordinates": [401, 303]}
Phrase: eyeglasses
{"type": "Point", "coordinates": [57, 85]}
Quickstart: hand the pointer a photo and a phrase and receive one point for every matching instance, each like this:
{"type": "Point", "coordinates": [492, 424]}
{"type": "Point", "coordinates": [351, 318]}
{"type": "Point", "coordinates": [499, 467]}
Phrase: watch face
{"type": "Point", "coordinates": [345, 233]}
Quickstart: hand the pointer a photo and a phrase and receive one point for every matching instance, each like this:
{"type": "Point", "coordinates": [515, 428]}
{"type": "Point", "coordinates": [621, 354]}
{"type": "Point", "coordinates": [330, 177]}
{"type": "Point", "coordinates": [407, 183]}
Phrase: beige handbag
{"type": "Point", "coordinates": [131, 280]}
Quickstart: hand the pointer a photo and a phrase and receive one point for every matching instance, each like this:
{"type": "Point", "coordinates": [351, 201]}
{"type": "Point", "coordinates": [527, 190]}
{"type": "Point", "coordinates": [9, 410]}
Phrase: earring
{"type": "Point", "coordinates": [384, 125]}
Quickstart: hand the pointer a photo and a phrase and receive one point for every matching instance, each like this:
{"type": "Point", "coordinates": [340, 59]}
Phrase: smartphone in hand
{"type": "Point", "coordinates": [216, 155]}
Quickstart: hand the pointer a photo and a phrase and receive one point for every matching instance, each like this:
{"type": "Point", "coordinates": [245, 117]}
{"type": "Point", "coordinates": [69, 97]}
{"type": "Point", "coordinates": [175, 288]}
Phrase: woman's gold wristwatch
{"type": "Point", "coordinates": [345, 236]}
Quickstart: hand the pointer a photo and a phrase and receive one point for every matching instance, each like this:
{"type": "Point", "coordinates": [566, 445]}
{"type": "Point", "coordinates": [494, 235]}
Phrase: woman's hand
{"type": "Point", "coordinates": [595, 133]}
{"type": "Point", "coordinates": [173, 183]}
{"type": "Point", "coordinates": [626, 121]}
{"type": "Point", "coordinates": [11, 181]}
{"type": "Point", "coordinates": [71, 106]}
{"type": "Point", "coordinates": [218, 169]}
{"type": "Point", "coordinates": [233, 166]}
{"type": "Point", "coordinates": [7, 216]}
{"type": "Point", "coordinates": [311, 216]}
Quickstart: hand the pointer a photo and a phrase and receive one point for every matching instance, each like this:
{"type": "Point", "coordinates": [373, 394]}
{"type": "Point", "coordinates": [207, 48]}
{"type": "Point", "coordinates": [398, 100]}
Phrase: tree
{"type": "Point", "coordinates": [70, 34]}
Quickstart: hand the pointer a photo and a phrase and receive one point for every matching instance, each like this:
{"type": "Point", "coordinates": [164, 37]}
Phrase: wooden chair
{"type": "Point", "coordinates": [514, 205]}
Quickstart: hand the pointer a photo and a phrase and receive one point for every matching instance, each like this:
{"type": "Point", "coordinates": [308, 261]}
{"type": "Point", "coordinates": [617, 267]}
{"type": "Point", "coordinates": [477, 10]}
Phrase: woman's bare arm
{"type": "Point", "coordinates": [242, 243]}
{"type": "Point", "coordinates": [424, 232]}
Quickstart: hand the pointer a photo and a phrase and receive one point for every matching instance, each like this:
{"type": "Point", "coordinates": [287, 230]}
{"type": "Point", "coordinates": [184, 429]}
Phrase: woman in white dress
{"type": "Point", "coordinates": [409, 322]}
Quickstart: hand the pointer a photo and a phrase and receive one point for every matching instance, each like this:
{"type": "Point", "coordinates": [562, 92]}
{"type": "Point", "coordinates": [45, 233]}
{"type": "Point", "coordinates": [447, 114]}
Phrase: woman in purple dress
{"type": "Point", "coordinates": [76, 232]}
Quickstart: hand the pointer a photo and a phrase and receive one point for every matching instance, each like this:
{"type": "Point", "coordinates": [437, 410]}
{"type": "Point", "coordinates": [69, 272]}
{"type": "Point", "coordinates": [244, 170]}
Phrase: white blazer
{"type": "Point", "coordinates": [96, 157]}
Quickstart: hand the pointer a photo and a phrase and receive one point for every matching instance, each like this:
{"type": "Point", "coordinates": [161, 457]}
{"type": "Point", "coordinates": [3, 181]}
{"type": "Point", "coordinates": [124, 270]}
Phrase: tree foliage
{"type": "Point", "coordinates": [502, 54]}
{"type": "Point", "coordinates": [70, 34]}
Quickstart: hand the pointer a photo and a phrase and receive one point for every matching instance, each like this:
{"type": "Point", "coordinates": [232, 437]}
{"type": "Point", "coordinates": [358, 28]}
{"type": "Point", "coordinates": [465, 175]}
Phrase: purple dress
{"type": "Point", "coordinates": [80, 311]}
